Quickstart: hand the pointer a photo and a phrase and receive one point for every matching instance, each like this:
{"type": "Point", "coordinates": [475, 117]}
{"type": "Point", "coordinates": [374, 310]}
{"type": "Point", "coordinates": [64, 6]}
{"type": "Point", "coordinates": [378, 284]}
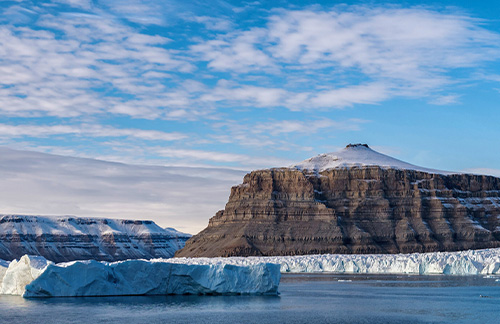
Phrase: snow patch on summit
{"type": "Point", "coordinates": [357, 155]}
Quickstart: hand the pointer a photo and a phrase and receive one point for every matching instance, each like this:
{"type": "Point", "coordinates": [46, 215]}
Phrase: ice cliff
{"type": "Point", "coordinates": [37, 277]}
{"type": "Point", "coordinates": [471, 262]}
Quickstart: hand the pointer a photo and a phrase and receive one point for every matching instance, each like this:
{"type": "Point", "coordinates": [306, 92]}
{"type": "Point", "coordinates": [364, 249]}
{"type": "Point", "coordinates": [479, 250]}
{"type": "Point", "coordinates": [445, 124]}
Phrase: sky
{"type": "Point", "coordinates": [234, 86]}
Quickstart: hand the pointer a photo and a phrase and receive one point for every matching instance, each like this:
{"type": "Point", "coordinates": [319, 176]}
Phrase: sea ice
{"type": "Point", "coordinates": [36, 277]}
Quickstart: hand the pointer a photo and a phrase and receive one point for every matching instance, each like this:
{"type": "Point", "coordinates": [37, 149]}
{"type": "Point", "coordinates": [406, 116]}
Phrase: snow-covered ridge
{"type": "Point", "coordinates": [37, 277]}
{"type": "Point", "coordinates": [66, 238]}
{"type": "Point", "coordinates": [72, 225]}
{"type": "Point", "coordinates": [357, 155]}
{"type": "Point", "coordinates": [471, 262]}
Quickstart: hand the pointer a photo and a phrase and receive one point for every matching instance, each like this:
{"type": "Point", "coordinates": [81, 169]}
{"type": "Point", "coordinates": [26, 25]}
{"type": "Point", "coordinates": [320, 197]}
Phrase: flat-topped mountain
{"type": "Point", "coordinates": [68, 238]}
{"type": "Point", "coordinates": [353, 201]}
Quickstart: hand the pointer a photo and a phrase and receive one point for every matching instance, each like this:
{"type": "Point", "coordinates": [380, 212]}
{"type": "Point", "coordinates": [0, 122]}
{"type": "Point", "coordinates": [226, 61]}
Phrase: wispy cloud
{"type": "Point", "coordinates": [308, 127]}
{"type": "Point", "coordinates": [83, 64]}
{"type": "Point", "coordinates": [219, 84]}
{"type": "Point", "coordinates": [345, 56]}
{"type": "Point", "coordinates": [90, 130]}
{"type": "Point", "coordinates": [59, 185]}
{"type": "Point", "coordinates": [445, 100]}
{"type": "Point", "coordinates": [401, 52]}
{"type": "Point", "coordinates": [247, 161]}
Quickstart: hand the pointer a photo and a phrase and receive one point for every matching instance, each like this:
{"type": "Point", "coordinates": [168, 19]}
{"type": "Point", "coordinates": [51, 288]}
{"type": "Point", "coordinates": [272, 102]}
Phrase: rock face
{"type": "Point", "coordinates": [387, 206]}
{"type": "Point", "coordinates": [61, 239]}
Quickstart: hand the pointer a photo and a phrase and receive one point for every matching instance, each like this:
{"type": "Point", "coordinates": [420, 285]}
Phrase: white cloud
{"type": "Point", "coordinates": [213, 23]}
{"type": "Point", "coordinates": [249, 95]}
{"type": "Point", "coordinates": [375, 53]}
{"type": "Point", "coordinates": [84, 64]}
{"type": "Point", "coordinates": [277, 128]}
{"type": "Point", "coordinates": [12, 131]}
{"type": "Point", "coordinates": [70, 64]}
{"type": "Point", "coordinates": [348, 96]}
{"type": "Point", "coordinates": [180, 197]}
{"type": "Point", "coordinates": [236, 51]}
{"type": "Point", "coordinates": [191, 156]}
{"type": "Point", "coordinates": [445, 100]}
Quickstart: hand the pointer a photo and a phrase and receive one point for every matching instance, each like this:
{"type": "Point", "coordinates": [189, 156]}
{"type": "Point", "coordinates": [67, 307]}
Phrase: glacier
{"type": "Point", "coordinates": [470, 262]}
{"type": "Point", "coordinates": [34, 276]}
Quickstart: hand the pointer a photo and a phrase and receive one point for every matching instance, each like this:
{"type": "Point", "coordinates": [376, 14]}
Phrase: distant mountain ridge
{"type": "Point", "coordinates": [354, 201]}
{"type": "Point", "coordinates": [68, 238]}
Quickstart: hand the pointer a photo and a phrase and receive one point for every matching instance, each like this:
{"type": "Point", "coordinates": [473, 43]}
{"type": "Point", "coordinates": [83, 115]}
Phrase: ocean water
{"type": "Point", "coordinates": [304, 298]}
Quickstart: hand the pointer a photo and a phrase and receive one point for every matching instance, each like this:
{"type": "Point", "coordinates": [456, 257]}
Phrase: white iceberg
{"type": "Point", "coordinates": [36, 277]}
{"type": "Point", "coordinates": [471, 262]}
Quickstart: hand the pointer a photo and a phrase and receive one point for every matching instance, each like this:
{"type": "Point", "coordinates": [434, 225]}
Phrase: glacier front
{"type": "Point", "coordinates": [470, 262]}
{"type": "Point", "coordinates": [37, 277]}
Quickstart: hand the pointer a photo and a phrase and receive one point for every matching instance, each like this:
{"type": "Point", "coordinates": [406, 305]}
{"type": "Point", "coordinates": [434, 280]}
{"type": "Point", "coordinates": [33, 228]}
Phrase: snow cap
{"type": "Point", "coordinates": [357, 155]}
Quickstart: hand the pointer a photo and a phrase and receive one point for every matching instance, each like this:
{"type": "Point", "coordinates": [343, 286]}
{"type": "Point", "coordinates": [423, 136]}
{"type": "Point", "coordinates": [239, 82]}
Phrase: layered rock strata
{"type": "Point", "coordinates": [358, 209]}
{"type": "Point", "coordinates": [61, 239]}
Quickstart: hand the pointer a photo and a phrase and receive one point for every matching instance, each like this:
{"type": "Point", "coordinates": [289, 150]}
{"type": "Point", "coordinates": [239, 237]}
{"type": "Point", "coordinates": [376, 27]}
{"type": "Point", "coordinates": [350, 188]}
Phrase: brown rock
{"type": "Point", "coordinates": [366, 209]}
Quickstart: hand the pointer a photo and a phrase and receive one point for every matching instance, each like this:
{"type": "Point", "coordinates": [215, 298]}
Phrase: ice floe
{"type": "Point", "coordinates": [36, 277]}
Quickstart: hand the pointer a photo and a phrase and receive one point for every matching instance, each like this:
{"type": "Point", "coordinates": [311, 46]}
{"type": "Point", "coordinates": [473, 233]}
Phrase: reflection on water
{"type": "Point", "coordinates": [319, 298]}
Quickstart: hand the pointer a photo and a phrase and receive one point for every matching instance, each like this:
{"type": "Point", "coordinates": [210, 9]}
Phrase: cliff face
{"type": "Point", "coordinates": [358, 209]}
{"type": "Point", "coordinates": [61, 239]}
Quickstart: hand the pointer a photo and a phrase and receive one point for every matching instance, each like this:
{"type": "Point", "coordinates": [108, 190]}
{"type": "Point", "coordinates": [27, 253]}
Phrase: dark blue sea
{"type": "Point", "coordinates": [304, 298]}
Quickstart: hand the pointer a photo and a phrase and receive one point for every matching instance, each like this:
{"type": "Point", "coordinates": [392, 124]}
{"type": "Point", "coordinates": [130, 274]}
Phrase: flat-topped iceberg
{"type": "Point", "coordinates": [471, 262]}
{"type": "Point", "coordinates": [36, 277]}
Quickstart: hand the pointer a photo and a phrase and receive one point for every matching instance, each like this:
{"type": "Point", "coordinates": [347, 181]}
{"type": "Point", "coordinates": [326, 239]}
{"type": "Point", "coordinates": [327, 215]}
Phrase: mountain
{"type": "Point", "coordinates": [353, 201]}
{"type": "Point", "coordinates": [68, 238]}
{"type": "Point", "coordinates": [357, 155]}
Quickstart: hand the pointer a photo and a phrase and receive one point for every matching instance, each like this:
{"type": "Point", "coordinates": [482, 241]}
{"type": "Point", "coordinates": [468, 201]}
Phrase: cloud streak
{"type": "Point", "coordinates": [179, 197]}
{"type": "Point", "coordinates": [90, 130]}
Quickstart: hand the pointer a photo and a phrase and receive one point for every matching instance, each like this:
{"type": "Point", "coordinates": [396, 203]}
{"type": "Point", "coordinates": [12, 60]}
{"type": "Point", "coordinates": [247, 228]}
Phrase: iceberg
{"type": "Point", "coordinates": [36, 277]}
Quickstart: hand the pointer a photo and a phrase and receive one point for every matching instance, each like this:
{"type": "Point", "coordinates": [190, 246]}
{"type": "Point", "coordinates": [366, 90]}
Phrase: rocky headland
{"type": "Point", "coordinates": [353, 201]}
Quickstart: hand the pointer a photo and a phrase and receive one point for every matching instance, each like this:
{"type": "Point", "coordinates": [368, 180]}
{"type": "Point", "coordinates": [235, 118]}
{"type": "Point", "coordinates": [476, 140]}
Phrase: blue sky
{"type": "Point", "coordinates": [251, 84]}
{"type": "Point", "coordinates": [211, 90]}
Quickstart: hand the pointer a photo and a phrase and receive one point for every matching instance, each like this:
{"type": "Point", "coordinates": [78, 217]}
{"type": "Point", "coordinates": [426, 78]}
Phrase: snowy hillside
{"type": "Point", "coordinates": [69, 238]}
{"type": "Point", "coordinates": [357, 155]}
